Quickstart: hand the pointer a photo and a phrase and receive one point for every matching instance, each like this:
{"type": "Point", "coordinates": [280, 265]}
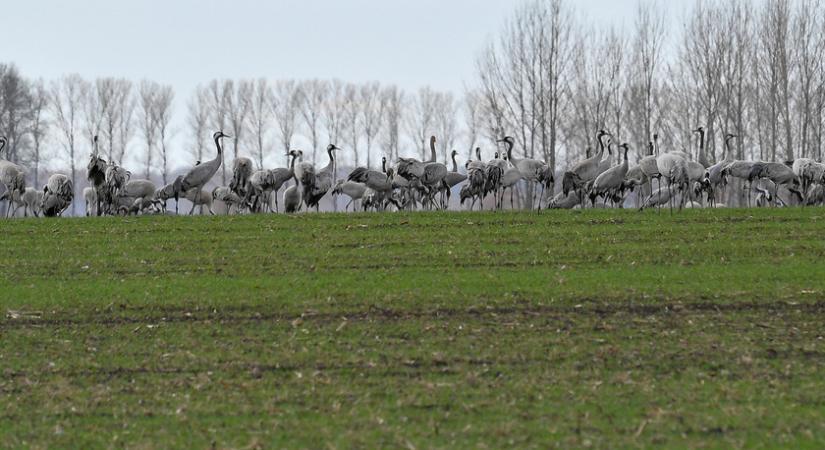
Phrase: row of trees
{"type": "Point", "coordinates": [755, 69]}
{"type": "Point", "coordinates": [135, 122]}
{"type": "Point", "coordinates": [549, 79]}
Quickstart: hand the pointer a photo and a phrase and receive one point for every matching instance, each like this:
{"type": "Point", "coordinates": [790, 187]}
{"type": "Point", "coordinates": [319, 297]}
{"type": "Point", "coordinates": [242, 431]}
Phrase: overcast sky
{"type": "Point", "coordinates": [186, 42]}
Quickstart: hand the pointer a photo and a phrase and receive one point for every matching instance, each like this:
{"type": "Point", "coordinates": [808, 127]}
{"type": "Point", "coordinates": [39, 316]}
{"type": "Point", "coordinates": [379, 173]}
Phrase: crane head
{"type": "Point", "coordinates": [3, 142]}
{"type": "Point", "coordinates": [699, 130]}
{"type": "Point", "coordinates": [507, 140]}
{"type": "Point", "coordinates": [332, 147]}
{"type": "Point", "coordinates": [220, 134]}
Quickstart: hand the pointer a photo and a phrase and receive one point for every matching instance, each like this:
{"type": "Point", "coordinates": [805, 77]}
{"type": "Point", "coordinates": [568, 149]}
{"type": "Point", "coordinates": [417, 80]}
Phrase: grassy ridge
{"type": "Point", "coordinates": [416, 330]}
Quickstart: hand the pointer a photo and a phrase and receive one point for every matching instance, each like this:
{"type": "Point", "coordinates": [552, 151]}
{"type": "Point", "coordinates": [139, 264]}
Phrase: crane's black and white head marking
{"type": "Point", "coordinates": [3, 142]}
{"type": "Point", "coordinates": [332, 147]}
{"type": "Point", "coordinates": [220, 134]}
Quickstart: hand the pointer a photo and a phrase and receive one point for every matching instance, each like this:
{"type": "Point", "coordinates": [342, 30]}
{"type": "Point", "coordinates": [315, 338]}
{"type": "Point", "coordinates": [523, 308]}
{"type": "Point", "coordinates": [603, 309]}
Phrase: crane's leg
{"type": "Point", "coordinates": [195, 202]}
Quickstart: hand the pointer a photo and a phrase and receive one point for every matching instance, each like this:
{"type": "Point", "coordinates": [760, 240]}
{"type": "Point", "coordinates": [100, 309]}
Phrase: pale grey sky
{"type": "Point", "coordinates": [185, 42]}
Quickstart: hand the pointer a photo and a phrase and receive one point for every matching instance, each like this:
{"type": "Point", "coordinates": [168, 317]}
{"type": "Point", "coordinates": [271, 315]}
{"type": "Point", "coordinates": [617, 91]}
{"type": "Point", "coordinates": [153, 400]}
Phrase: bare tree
{"type": "Point", "coordinates": [524, 77]}
{"type": "Point", "coordinates": [445, 123]}
{"type": "Point", "coordinates": [162, 111]}
{"type": "Point", "coordinates": [67, 104]}
{"type": "Point", "coordinates": [198, 121]}
{"type": "Point", "coordinates": [219, 114]}
{"type": "Point", "coordinates": [39, 127]}
{"type": "Point", "coordinates": [238, 102]}
{"type": "Point", "coordinates": [352, 115]}
{"type": "Point", "coordinates": [148, 91]}
{"type": "Point", "coordinates": [393, 104]}
{"type": "Point", "coordinates": [286, 104]}
{"type": "Point", "coordinates": [645, 86]}
{"type": "Point", "coordinates": [313, 95]}
{"type": "Point", "coordinates": [372, 114]}
{"type": "Point", "coordinates": [472, 112]}
{"type": "Point", "coordinates": [421, 119]}
{"type": "Point", "coordinates": [259, 119]}
{"type": "Point", "coordinates": [116, 107]}
{"type": "Point", "coordinates": [332, 111]}
{"type": "Point", "coordinates": [15, 103]}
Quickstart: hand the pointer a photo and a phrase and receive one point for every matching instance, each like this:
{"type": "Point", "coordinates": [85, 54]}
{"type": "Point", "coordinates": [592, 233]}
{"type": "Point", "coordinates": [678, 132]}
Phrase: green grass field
{"type": "Point", "coordinates": [559, 329]}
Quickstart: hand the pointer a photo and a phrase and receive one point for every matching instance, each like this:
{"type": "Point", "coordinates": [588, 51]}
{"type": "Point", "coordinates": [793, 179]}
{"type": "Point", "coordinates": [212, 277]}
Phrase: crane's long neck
{"type": "Point", "coordinates": [432, 151]}
{"type": "Point", "coordinates": [478, 153]}
{"type": "Point", "coordinates": [384, 165]}
{"type": "Point", "coordinates": [601, 146]}
{"type": "Point", "coordinates": [331, 160]}
{"type": "Point", "coordinates": [513, 161]}
{"type": "Point", "coordinates": [2, 145]}
{"type": "Point", "coordinates": [455, 164]}
{"type": "Point", "coordinates": [292, 168]}
{"type": "Point", "coordinates": [656, 144]}
{"type": "Point", "coordinates": [220, 150]}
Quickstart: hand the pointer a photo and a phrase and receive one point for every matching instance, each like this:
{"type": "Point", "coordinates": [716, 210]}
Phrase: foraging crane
{"type": "Point", "coordinates": [225, 195]}
{"type": "Point", "coordinates": [658, 198]}
{"type": "Point", "coordinates": [713, 175]}
{"type": "Point", "coordinates": [317, 184]}
{"type": "Point", "coordinates": [57, 195]}
{"type": "Point", "coordinates": [411, 168]}
{"type": "Point", "coordinates": [742, 170]}
{"type": "Point", "coordinates": [532, 170]}
{"type": "Point", "coordinates": [198, 176]}
{"type": "Point", "coordinates": [611, 179]}
{"type": "Point", "coordinates": [12, 176]}
{"type": "Point", "coordinates": [241, 171]}
{"type": "Point", "coordinates": [780, 175]}
{"type": "Point", "coordinates": [673, 169]}
{"type": "Point", "coordinates": [353, 190]}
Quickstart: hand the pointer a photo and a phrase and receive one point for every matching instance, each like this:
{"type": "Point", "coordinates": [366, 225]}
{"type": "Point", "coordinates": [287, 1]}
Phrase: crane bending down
{"type": "Point", "coordinates": [12, 176]}
{"type": "Point", "coordinates": [198, 176]}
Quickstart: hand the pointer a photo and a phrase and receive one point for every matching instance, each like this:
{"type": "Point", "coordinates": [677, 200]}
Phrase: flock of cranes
{"type": "Point", "coordinates": [659, 179]}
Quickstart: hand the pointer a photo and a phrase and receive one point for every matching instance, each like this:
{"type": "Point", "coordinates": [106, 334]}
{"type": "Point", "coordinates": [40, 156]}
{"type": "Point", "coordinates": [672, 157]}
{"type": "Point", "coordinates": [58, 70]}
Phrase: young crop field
{"type": "Point", "coordinates": [424, 330]}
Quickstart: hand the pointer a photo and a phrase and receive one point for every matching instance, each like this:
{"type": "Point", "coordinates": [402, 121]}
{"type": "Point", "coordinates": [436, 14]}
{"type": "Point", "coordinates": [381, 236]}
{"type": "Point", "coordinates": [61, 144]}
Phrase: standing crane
{"type": "Point", "coordinates": [198, 176]}
{"type": "Point", "coordinates": [611, 179]}
{"type": "Point", "coordinates": [317, 184]}
{"type": "Point", "coordinates": [532, 170]}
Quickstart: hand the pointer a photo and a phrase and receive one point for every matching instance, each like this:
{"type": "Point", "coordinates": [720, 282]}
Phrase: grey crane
{"type": "Point", "coordinates": [657, 198]}
{"type": "Point", "coordinates": [494, 173]}
{"type": "Point", "coordinates": [611, 179]}
{"type": "Point", "coordinates": [532, 170]}
{"type": "Point", "coordinates": [57, 195]}
{"type": "Point", "coordinates": [585, 171]}
{"type": "Point", "coordinates": [509, 181]}
{"type": "Point", "coordinates": [411, 168]}
{"type": "Point", "coordinates": [780, 175]}
{"type": "Point", "coordinates": [292, 194]}
{"type": "Point", "coordinates": [198, 176]}
{"type": "Point", "coordinates": [12, 176]}
{"type": "Point", "coordinates": [433, 175]}
{"type": "Point", "coordinates": [352, 189]}
{"type": "Point", "coordinates": [96, 174]}
{"type": "Point", "coordinates": [318, 183]}
{"type": "Point", "coordinates": [241, 171]}
{"type": "Point", "coordinates": [673, 168]}
{"type": "Point", "coordinates": [713, 179]}
{"type": "Point", "coordinates": [742, 170]}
